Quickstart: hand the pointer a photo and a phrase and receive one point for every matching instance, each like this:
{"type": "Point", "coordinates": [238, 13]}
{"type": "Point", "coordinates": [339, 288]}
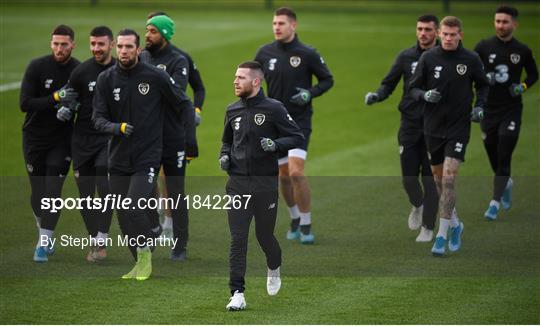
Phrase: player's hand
{"type": "Point", "coordinates": [268, 145]}
{"type": "Point", "coordinates": [432, 96]}
{"type": "Point", "coordinates": [125, 129]}
{"type": "Point", "coordinates": [224, 162]}
{"type": "Point", "coordinates": [65, 95]}
{"type": "Point", "coordinates": [371, 98]}
{"type": "Point", "coordinates": [64, 114]}
{"type": "Point", "coordinates": [198, 117]}
{"type": "Point", "coordinates": [491, 78]}
{"type": "Point", "coordinates": [517, 89]}
{"type": "Point", "coordinates": [477, 114]}
{"type": "Point", "coordinates": [302, 97]}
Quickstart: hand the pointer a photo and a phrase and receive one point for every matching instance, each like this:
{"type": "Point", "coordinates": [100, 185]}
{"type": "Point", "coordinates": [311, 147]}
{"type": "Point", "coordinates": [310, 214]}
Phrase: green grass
{"type": "Point", "coordinates": [365, 266]}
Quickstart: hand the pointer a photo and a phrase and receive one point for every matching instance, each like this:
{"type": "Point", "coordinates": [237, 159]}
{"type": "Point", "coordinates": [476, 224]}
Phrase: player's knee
{"type": "Point", "coordinates": [239, 241]}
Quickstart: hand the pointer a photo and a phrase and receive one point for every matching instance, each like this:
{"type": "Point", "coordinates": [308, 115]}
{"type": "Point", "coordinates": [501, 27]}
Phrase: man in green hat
{"type": "Point", "coordinates": [178, 134]}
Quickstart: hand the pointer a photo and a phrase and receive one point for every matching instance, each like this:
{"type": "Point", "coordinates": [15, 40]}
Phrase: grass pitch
{"type": "Point", "coordinates": [365, 266]}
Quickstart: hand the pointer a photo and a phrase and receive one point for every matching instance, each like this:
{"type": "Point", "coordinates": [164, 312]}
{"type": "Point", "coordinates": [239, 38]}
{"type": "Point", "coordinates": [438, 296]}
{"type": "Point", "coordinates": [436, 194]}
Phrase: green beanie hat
{"type": "Point", "coordinates": [164, 24]}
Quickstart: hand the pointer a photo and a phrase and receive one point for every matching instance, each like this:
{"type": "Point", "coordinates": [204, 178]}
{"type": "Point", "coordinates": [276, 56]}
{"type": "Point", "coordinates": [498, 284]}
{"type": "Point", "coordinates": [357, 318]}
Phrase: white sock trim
{"type": "Point", "coordinates": [443, 228]}
{"type": "Point", "coordinates": [495, 203]}
{"type": "Point", "coordinates": [294, 212]}
{"type": "Point", "coordinates": [45, 237]}
{"type": "Point", "coordinates": [167, 222]}
{"type": "Point", "coordinates": [305, 218]}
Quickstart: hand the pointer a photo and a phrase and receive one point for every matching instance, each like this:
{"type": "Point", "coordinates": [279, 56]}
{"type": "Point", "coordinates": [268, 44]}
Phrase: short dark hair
{"type": "Point", "coordinates": [429, 18]}
{"type": "Point", "coordinates": [285, 11]}
{"type": "Point", "coordinates": [102, 31]}
{"type": "Point", "coordinates": [251, 65]}
{"type": "Point", "coordinates": [508, 10]}
{"type": "Point", "coordinates": [452, 21]}
{"type": "Point", "coordinates": [64, 30]}
{"type": "Point", "coordinates": [156, 13]}
{"type": "Point", "coordinates": [256, 67]}
{"type": "Point", "coordinates": [129, 31]}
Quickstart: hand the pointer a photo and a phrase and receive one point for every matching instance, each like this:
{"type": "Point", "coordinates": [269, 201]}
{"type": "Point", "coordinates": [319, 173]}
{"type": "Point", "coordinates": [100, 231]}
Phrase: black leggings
{"type": "Point", "coordinates": [90, 178]}
{"type": "Point", "coordinates": [499, 149]}
{"type": "Point", "coordinates": [46, 181]}
{"type": "Point", "coordinates": [134, 221]}
{"type": "Point", "coordinates": [415, 162]}
{"type": "Point", "coordinates": [262, 206]}
{"type": "Point", "coordinates": [175, 183]}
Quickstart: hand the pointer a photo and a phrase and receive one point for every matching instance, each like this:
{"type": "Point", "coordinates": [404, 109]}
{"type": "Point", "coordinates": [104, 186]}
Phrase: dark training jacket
{"type": "Point", "coordinates": [452, 73]}
{"type": "Point", "coordinates": [507, 60]}
{"type": "Point", "coordinates": [178, 129]}
{"type": "Point", "coordinates": [195, 80]}
{"type": "Point", "coordinates": [83, 80]}
{"type": "Point", "coordinates": [404, 66]}
{"type": "Point", "coordinates": [290, 65]}
{"type": "Point", "coordinates": [137, 96]}
{"type": "Point", "coordinates": [42, 78]}
{"type": "Point", "coordinates": [246, 122]}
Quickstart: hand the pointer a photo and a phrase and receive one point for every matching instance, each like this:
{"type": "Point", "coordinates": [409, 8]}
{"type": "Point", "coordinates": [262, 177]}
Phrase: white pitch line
{"type": "Point", "coordinates": [10, 86]}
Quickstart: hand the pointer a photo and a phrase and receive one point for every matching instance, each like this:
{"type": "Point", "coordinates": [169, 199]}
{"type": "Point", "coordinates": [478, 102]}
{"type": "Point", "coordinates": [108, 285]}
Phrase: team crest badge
{"type": "Point", "coordinates": [144, 88]}
{"type": "Point", "coordinates": [514, 57]}
{"type": "Point", "coordinates": [461, 69]}
{"type": "Point", "coordinates": [295, 61]}
{"type": "Point", "coordinates": [259, 119]}
{"type": "Point", "coordinates": [162, 66]}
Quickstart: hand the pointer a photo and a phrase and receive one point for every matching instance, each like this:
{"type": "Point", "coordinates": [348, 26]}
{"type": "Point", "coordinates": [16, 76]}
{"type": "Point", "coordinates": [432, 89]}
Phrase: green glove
{"type": "Point", "coordinates": [302, 97]}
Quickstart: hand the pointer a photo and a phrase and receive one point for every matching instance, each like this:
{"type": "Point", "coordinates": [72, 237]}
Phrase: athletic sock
{"type": "Point", "coordinates": [294, 224]}
{"type": "Point", "coordinates": [305, 218]}
{"type": "Point", "coordinates": [495, 203]}
{"type": "Point", "coordinates": [454, 220]}
{"type": "Point", "coordinates": [444, 223]}
{"type": "Point", "coordinates": [102, 238]}
{"type": "Point", "coordinates": [305, 223]}
{"type": "Point", "coordinates": [167, 222]}
{"type": "Point", "coordinates": [44, 234]}
{"type": "Point", "coordinates": [294, 212]}
{"type": "Point", "coordinates": [305, 229]}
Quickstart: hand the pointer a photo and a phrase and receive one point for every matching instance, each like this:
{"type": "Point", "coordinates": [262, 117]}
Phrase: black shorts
{"type": "Point", "coordinates": [439, 148]}
{"type": "Point", "coordinates": [86, 147]}
{"type": "Point", "coordinates": [175, 156]}
{"type": "Point", "coordinates": [508, 124]}
{"type": "Point", "coordinates": [38, 155]}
